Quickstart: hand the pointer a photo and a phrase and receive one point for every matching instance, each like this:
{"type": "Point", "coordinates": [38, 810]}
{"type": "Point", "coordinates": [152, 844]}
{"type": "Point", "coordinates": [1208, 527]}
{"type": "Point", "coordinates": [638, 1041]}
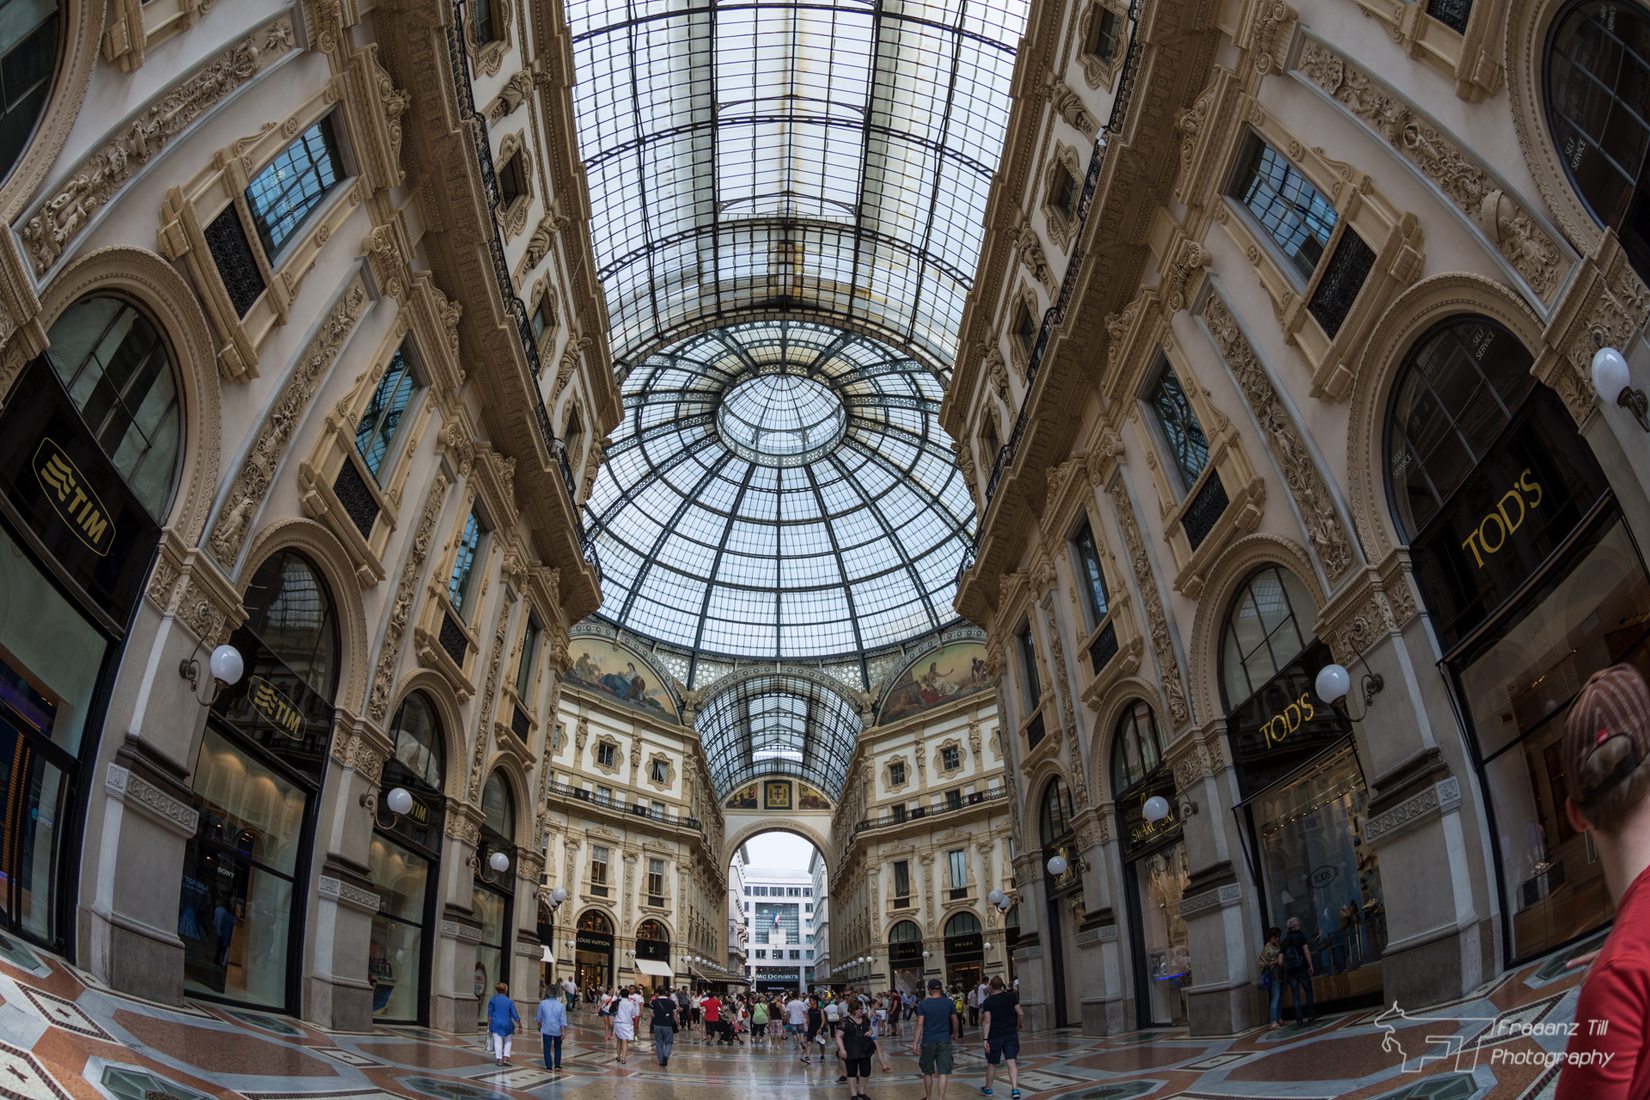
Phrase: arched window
{"type": "Point", "coordinates": [1138, 747]}
{"type": "Point", "coordinates": [1270, 621]}
{"type": "Point", "coordinates": [594, 920]}
{"type": "Point", "coordinates": [1055, 819]}
{"type": "Point", "coordinates": [1598, 67]}
{"type": "Point", "coordinates": [290, 610]}
{"type": "Point", "coordinates": [498, 809]}
{"type": "Point", "coordinates": [962, 924]}
{"type": "Point", "coordinates": [652, 930]}
{"type": "Point", "coordinates": [905, 932]}
{"type": "Point", "coordinates": [29, 48]}
{"type": "Point", "coordinates": [417, 733]}
{"type": "Point", "coordinates": [118, 370]}
{"type": "Point", "coordinates": [1457, 389]}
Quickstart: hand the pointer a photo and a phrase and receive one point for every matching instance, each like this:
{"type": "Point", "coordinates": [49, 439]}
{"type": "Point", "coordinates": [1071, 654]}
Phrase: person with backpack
{"type": "Point", "coordinates": [855, 1045]}
{"type": "Point", "coordinates": [1000, 1017]}
{"type": "Point", "coordinates": [1271, 976]}
{"type": "Point", "coordinates": [1297, 971]}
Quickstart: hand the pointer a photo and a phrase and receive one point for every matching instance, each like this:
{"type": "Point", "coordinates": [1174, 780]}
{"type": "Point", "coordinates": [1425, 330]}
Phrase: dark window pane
{"type": "Point", "coordinates": [1291, 211]}
{"type": "Point", "coordinates": [283, 194]}
{"type": "Point", "coordinates": [1188, 446]}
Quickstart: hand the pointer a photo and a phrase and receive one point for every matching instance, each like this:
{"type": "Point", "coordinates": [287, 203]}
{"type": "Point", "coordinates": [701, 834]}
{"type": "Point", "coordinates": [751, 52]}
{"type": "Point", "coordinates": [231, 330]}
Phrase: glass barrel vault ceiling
{"type": "Point", "coordinates": [832, 157]}
{"type": "Point", "coordinates": [780, 489]}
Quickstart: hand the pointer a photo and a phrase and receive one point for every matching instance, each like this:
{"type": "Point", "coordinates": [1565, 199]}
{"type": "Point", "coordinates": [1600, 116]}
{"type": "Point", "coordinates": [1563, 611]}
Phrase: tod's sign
{"type": "Point", "coordinates": [1532, 490]}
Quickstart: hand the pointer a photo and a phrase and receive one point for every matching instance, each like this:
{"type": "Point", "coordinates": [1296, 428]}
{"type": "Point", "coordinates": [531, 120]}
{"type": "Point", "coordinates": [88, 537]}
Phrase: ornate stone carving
{"type": "Point", "coordinates": [1270, 41]}
{"type": "Point", "coordinates": [1034, 258]}
{"type": "Point", "coordinates": [538, 245]}
{"type": "Point", "coordinates": [1189, 123]}
{"type": "Point", "coordinates": [1069, 106]}
{"type": "Point", "coordinates": [348, 894]}
{"type": "Point", "coordinates": [395, 630]}
{"type": "Point", "coordinates": [992, 364]}
{"type": "Point", "coordinates": [577, 345]}
{"type": "Point", "coordinates": [46, 234]}
{"type": "Point", "coordinates": [1301, 475]}
{"type": "Point", "coordinates": [511, 96]}
{"type": "Point", "coordinates": [136, 791]}
{"type": "Point", "coordinates": [1074, 755]}
{"type": "Point", "coordinates": [1438, 799]}
{"type": "Point", "coordinates": [489, 703]}
{"type": "Point", "coordinates": [258, 471]}
{"type": "Point", "coordinates": [1174, 689]}
{"type": "Point", "coordinates": [1531, 251]}
{"type": "Point", "coordinates": [1188, 260]}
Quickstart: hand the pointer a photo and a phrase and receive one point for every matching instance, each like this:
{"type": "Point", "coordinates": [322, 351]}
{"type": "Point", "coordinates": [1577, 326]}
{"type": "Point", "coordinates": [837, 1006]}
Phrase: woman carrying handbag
{"type": "Point", "coordinates": [1271, 975]}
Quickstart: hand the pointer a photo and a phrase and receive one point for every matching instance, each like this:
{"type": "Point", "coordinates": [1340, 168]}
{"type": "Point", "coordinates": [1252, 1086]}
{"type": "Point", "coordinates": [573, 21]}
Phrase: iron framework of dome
{"type": "Point", "coordinates": [780, 489]}
{"type": "Point", "coordinates": [778, 725]}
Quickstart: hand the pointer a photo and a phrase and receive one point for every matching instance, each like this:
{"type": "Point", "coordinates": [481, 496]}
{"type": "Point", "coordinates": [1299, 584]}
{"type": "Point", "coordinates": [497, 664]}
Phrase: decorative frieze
{"type": "Point", "coordinates": [1219, 898]}
{"type": "Point", "coordinates": [251, 486]}
{"type": "Point", "coordinates": [1174, 689]}
{"type": "Point", "coordinates": [348, 894]}
{"type": "Point", "coordinates": [478, 750]}
{"type": "Point", "coordinates": [55, 223]}
{"type": "Point", "coordinates": [1318, 512]}
{"type": "Point", "coordinates": [395, 630]}
{"type": "Point", "coordinates": [139, 793]}
{"type": "Point", "coordinates": [1438, 799]}
{"type": "Point", "coordinates": [1528, 247]}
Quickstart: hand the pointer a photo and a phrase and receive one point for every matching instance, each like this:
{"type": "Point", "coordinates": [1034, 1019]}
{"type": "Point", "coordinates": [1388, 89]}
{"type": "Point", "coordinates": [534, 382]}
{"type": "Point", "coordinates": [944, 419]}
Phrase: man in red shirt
{"type": "Point", "coordinates": [712, 1009]}
{"type": "Point", "coordinates": [1607, 757]}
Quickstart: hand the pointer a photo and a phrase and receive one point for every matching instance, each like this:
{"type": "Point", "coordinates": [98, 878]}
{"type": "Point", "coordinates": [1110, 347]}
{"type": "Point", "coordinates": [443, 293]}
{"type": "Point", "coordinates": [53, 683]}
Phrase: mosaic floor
{"type": "Point", "coordinates": [62, 1036]}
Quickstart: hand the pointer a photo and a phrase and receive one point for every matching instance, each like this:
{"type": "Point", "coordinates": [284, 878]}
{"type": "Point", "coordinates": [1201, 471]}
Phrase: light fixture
{"type": "Point", "coordinates": [398, 801]}
{"type": "Point", "coordinates": [925, 954]}
{"type": "Point", "coordinates": [1333, 682]}
{"type": "Point", "coordinates": [1613, 381]}
{"type": "Point", "coordinates": [1156, 808]}
{"type": "Point", "coordinates": [558, 895]}
{"type": "Point", "coordinates": [225, 665]}
{"type": "Point", "coordinates": [499, 862]}
{"type": "Point", "coordinates": [1058, 865]}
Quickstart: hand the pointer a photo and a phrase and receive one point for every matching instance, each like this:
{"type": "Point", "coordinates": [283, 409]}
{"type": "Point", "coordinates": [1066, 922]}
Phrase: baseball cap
{"type": "Point", "coordinates": [935, 983]}
{"type": "Point", "coordinates": [1607, 732]}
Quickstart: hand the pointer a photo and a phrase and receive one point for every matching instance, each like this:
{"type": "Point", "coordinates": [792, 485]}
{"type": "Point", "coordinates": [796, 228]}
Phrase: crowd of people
{"type": "Point", "coordinates": [849, 1027]}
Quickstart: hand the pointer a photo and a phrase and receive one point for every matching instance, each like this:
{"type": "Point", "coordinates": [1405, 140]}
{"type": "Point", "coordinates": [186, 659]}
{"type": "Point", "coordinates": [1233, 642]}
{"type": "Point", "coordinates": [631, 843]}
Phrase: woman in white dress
{"type": "Point", "coordinates": [625, 1011]}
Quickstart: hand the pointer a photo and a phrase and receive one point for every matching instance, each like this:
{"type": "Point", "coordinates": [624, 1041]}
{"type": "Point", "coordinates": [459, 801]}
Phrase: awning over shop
{"type": "Point", "coordinates": [546, 957]}
{"type": "Point", "coordinates": [653, 969]}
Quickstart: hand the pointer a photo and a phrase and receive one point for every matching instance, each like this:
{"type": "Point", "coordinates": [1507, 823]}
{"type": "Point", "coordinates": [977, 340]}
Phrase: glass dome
{"type": "Point", "coordinates": [780, 489]}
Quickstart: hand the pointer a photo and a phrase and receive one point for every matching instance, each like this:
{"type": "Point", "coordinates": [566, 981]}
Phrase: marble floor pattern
{"type": "Point", "coordinates": [63, 1036]}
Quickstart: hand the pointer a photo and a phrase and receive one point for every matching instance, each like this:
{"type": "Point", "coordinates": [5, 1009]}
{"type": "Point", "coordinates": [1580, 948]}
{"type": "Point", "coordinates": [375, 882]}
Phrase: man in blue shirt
{"type": "Point", "coordinates": [552, 1020]}
{"type": "Point", "coordinates": [937, 1021]}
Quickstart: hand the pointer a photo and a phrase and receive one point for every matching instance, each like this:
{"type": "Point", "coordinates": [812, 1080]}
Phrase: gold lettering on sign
{"type": "Point", "coordinates": [1491, 533]}
{"type": "Point", "coordinates": [269, 701]}
{"type": "Point", "coordinates": [1278, 727]}
{"type": "Point", "coordinates": [76, 504]}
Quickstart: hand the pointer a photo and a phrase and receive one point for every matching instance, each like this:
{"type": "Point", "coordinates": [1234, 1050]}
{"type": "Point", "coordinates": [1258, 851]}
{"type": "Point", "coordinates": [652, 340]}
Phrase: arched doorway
{"type": "Point", "coordinates": [493, 893]}
{"type": "Point", "coordinates": [1054, 830]}
{"type": "Point", "coordinates": [778, 894]}
{"type": "Point", "coordinates": [905, 957]}
{"type": "Point", "coordinates": [1304, 799]}
{"type": "Point", "coordinates": [1533, 583]}
{"type": "Point", "coordinates": [404, 861]}
{"type": "Point", "coordinates": [593, 950]}
{"type": "Point", "coordinates": [653, 953]}
{"type": "Point", "coordinates": [1154, 867]}
{"type": "Point", "coordinates": [261, 762]}
{"type": "Point", "coordinates": [85, 484]}
{"type": "Point", "coordinates": [964, 950]}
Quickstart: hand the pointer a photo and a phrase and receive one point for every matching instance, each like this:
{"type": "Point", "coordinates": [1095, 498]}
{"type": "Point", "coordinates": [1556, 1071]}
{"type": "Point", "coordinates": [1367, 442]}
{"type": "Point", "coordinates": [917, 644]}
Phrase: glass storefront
{"type": "Point", "coordinates": [1517, 693]}
{"type": "Point", "coordinates": [406, 849]}
{"type": "Point", "coordinates": [964, 951]}
{"type": "Point", "coordinates": [255, 780]}
{"type": "Point", "coordinates": [1314, 866]}
{"type": "Point", "coordinates": [235, 912]}
{"type": "Point", "coordinates": [492, 895]}
{"type": "Point", "coordinates": [1165, 957]}
{"type": "Point", "coordinates": [593, 950]}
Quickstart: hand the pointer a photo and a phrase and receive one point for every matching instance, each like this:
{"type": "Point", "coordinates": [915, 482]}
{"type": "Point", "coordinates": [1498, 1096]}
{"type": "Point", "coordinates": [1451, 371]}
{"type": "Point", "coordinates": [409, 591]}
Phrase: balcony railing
{"type": "Point", "coordinates": [1056, 312]}
{"type": "Point", "coordinates": [938, 809]}
{"type": "Point", "coordinates": [459, 59]}
{"type": "Point", "coordinates": [620, 805]}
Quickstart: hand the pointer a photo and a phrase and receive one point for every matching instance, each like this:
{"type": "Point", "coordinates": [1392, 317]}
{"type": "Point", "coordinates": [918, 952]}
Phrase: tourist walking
{"type": "Point", "coordinates": [879, 1030]}
{"type": "Point", "coordinates": [854, 1044]}
{"type": "Point", "coordinates": [664, 1024]}
{"type": "Point", "coordinates": [759, 1023]}
{"type": "Point", "coordinates": [815, 1024]}
{"type": "Point", "coordinates": [1271, 976]}
{"type": "Point", "coordinates": [1297, 971]}
{"type": "Point", "coordinates": [604, 1009]}
{"type": "Point", "coordinates": [796, 1023]}
{"type": "Point", "coordinates": [625, 1011]}
{"type": "Point", "coordinates": [934, 1021]}
{"type": "Point", "coordinates": [551, 1019]}
{"type": "Point", "coordinates": [1000, 1017]}
{"type": "Point", "coordinates": [502, 1021]}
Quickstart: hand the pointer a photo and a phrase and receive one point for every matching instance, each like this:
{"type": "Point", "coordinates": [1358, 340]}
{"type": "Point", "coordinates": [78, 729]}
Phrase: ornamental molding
{"type": "Point", "coordinates": [1079, 782]}
{"type": "Point", "coordinates": [512, 95]}
{"type": "Point", "coordinates": [1320, 517]}
{"type": "Point", "coordinates": [1482, 199]}
{"type": "Point", "coordinates": [1221, 897]}
{"type": "Point", "coordinates": [1069, 106]}
{"type": "Point", "coordinates": [258, 470]}
{"type": "Point", "coordinates": [139, 793]}
{"type": "Point", "coordinates": [484, 724]}
{"type": "Point", "coordinates": [464, 932]}
{"type": "Point", "coordinates": [56, 222]}
{"type": "Point", "coordinates": [1106, 933]}
{"type": "Point", "coordinates": [395, 630]}
{"type": "Point", "coordinates": [1174, 688]}
{"type": "Point", "coordinates": [345, 893]}
{"type": "Point", "coordinates": [1441, 798]}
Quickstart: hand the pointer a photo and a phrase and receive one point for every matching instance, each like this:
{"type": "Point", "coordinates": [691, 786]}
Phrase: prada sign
{"type": "Point", "coordinates": [905, 951]}
{"type": "Point", "coordinates": [64, 493]}
{"type": "Point", "coordinates": [1498, 530]}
